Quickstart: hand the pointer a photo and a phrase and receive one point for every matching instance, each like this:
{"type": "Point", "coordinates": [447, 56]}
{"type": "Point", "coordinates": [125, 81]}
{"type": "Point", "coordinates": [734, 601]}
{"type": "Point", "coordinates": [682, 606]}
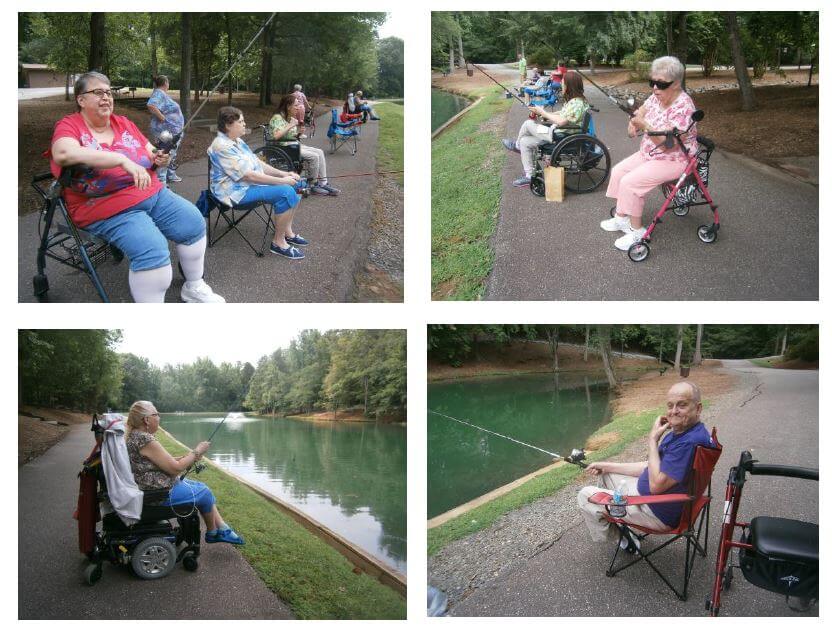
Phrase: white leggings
{"type": "Point", "coordinates": [150, 286]}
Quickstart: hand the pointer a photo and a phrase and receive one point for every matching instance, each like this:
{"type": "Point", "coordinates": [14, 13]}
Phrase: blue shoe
{"type": "Point", "coordinates": [510, 145]}
{"type": "Point", "coordinates": [290, 253]}
{"type": "Point", "coordinates": [522, 182]}
{"type": "Point", "coordinates": [297, 240]}
{"type": "Point", "coordinates": [224, 536]}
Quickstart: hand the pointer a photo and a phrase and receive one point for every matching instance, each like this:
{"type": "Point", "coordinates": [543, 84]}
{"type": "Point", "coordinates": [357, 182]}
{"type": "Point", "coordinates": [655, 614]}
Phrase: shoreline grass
{"type": "Point", "coordinates": [390, 154]}
{"type": "Point", "coordinates": [628, 427]}
{"type": "Point", "coordinates": [770, 362]}
{"type": "Point", "coordinates": [466, 165]}
{"type": "Point", "coordinates": [310, 576]}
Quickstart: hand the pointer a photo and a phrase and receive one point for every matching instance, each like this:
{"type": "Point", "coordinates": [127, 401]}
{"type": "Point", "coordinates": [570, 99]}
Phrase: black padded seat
{"type": "Point", "coordinates": [786, 539]}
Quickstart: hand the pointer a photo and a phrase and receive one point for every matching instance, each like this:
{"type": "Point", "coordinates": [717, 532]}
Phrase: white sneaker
{"type": "Point", "coordinates": [624, 242]}
{"type": "Point", "coordinates": [617, 223]}
{"type": "Point", "coordinates": [302, 136]}
{"type": "Point", "coordinates": [199, 292]}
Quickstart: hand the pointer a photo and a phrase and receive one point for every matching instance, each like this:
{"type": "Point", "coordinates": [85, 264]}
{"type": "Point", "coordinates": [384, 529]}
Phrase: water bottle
{"type": "Point", "coordinates": [618, 507]}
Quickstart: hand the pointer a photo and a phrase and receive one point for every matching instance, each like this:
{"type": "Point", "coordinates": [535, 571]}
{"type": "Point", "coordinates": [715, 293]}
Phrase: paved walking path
{"type": "Point", "coordinates": [338, 229]}
{"type": "Point", "coordinates": [774, 414]}
{"type": "Point", "coordinates": [50, 584]}
{"type": "Point", "coordinates": [767, 246]}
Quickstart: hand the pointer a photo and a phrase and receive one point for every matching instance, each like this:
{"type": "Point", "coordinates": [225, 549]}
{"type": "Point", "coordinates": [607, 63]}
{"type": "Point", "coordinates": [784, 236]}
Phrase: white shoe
{"type": "Point", "coordinates": [624, 242]}
{"type": "Point", "coordinates": [617, 223]}
{"type": "Point", "coordinates": [302, 136]}
{"type": "Point", "coordinates": [199, 292]}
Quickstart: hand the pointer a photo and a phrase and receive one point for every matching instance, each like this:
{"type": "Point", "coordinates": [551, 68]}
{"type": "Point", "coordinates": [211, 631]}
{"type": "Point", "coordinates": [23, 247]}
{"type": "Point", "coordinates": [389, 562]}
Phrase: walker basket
{"type": "Point", "coordinates": [784, 558]}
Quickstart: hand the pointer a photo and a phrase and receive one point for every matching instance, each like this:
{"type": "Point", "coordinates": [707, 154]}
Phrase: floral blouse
{"type": "Point", "coordinates": [230, 161]}
{"type": "Point", "coordinates": [677, 115]}
{"type": "Point", "coordinates": [148, 476]}
{"type": "Point", "coordinates": [573, 111]}
{"type": "Point", "coordinates": [278, 123]}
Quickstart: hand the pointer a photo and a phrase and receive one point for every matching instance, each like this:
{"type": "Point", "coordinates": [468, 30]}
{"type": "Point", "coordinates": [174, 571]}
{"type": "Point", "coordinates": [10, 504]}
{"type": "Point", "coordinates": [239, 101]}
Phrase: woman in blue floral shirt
{"type": "Point", "coordinates": [165, 116]}
{"type": "Point", "coordinates": [239, 178]}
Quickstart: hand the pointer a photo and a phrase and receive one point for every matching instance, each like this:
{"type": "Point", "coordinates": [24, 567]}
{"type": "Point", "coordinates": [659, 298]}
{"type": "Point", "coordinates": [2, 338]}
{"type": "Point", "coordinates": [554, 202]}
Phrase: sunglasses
{"type": "Point", "coordinates": [661, 85]}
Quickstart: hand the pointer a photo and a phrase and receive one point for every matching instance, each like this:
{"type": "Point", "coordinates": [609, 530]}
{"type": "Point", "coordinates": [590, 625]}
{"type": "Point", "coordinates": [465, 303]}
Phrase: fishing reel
{"type": "Point", "coordinates": [165, 143]}
{"type": "Point", "coordinates": [199, 467]}
{"type": "Point", "coordinates": [577, 457]}
{"type": "Point", "coordinates": [302, 188]}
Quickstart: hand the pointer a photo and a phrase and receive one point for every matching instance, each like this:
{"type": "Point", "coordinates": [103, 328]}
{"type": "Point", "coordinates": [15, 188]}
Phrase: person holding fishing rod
{"type": "Point", "coordinates": [655, 162]}
{"type": "Point", "coordinates": [548, 126]}
{"type": "Point", "coordinates": [154, 468]}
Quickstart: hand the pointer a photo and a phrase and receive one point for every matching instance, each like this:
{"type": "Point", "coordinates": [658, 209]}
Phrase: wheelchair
{"type": "Point", "coordinates": [152, 546]}
{"type": "Point", "coordinates": [60, 239]}
{"type": "Point", "coordinates": [282, 155]}
{"type": "Point", "coordinates": [584, 158]}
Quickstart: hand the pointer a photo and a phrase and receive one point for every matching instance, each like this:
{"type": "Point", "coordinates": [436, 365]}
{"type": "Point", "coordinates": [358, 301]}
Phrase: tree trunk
{"type": "Point", "coordinates": [740, 66]}
{"type": "Point", "coordinates": [553, 334]}
{"type": "Point", "coordinates": [68, 84]}
{"type": "Point", "coordinates": [592, 62]}
{"type": "Point", "coordinates": [270, 66]}
{"type": "Point", "coordinates": [451, 64]}
{"type": "Point", "coordinates": [697, 353]}
{"type": "Point", "coordinates": [366, 394]}
{"type": "Point", "coordinates": [678, 360]}
{"type": "Point", "coordinates": [586, 344]}
{"type": "Point", "coordinates": [682, 43]}
{"type": "Point", "coordinates": [668, 31]}
{"type": "Point", "coordinates": [604, 345]}
{"type": "Point", "coordinates": [185, 86]}
{"type": "Point", "coordinates": [230, 79]}
{"type": "Point", "coordinates": [785, 341]}
{"type": "Point", "coordinates": [195, 56]}
{"type": "Point", "coordinates": [265, 53]}
{"type": "Point", "coordinates": [97, 42]}
{"type": "Point", "coordinates": [661, 343]}
{"type": "Point", "coordinates": [461, 55]}
{"type": "Point", "coordinates": [811, 70]}
{"type": "Point", "coordinates": [154, 62]}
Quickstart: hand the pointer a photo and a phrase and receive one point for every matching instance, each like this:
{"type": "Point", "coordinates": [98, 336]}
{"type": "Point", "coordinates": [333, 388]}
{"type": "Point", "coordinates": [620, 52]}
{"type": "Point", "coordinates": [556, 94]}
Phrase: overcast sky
{"type": "Point", "coordinates": [240, 342]}
{"type": "Point", "coordinates": [394, 26]}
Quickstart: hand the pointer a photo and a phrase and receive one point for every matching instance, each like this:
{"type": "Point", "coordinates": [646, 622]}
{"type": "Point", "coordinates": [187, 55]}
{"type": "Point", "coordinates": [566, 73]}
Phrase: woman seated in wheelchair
{"type": "Point", "coordinates": [154, 468]}
{"type": "Point", "coordinates": [115, 194]}
{"type": "Point", "coordinates": [549, 126]}
{"type": "Point", "coordinates": [239, 178]}
{"type": "Point", "coordinates": [283, 128]}
{"type": "Point", "coordinates": [653, 164]}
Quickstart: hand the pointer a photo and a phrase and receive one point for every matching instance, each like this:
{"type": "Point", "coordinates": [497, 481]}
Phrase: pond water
{"type": "Point", "coordinates": [555, 413]}
{"type": "Point", "coordinates": [443, 105]}
{"type": "Point", "coordinates": [349, 476]}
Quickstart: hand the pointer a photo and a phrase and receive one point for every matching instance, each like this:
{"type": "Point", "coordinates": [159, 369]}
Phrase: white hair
{"type": "Point", "coordinates": [669, 67]}
{"type": "Point", "coordinates": [298, 87]}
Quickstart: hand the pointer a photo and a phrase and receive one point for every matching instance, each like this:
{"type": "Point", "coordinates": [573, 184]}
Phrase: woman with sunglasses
{"type": "Point", "coordinates": [115, 193]}
{"type": "Point", "coordinates": [634, 177]}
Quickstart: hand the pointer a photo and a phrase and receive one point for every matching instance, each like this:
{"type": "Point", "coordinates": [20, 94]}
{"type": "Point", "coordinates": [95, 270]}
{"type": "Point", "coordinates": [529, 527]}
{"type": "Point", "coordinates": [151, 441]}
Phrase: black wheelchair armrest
{"type": "Point", "coordinates": [156, 497]}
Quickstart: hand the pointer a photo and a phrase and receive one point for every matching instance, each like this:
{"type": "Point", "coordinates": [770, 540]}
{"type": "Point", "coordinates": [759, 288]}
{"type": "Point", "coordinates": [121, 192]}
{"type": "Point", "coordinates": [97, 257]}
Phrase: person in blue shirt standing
{"type": "Point", "coordinates": [165, 114]}
{"type": "Point", "coordinates": [666, 471]}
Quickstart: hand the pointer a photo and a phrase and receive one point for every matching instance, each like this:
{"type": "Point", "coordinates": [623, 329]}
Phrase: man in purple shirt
{"type": "Point", "coordinates": [666, 471]}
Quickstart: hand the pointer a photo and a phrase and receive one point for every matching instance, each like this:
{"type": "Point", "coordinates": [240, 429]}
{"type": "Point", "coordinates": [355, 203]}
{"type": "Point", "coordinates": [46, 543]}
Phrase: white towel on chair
{"type": "Point", "coordinates": [124, 494]}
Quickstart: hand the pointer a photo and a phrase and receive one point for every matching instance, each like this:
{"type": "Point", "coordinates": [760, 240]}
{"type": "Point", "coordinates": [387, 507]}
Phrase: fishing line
{"type": "Point", "coordinates": [510, 92]}
{"type": "Point", "coordinates": [369, 173]}
{"type": "Point", "coordinates": [629, 112]}
{"type": "Point", "coordinates": [505, 437]}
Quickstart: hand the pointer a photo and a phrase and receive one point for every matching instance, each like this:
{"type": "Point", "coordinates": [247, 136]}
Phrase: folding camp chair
{"type": "Point", "coordinates": [233, 215]}
{"type": "Point", "coordinates": [341, 134]}
{"type": "Point", "coordinates": [695, 513]}
{"type": "Point", "coordinates": [61, 240]}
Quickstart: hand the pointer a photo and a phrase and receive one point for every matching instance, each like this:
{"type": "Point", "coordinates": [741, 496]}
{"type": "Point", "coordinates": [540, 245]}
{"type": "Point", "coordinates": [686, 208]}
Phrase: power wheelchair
{"type": "Point", "coordinates": [152, 546]}
{"type": "Point", "coordinates": [584, 158]}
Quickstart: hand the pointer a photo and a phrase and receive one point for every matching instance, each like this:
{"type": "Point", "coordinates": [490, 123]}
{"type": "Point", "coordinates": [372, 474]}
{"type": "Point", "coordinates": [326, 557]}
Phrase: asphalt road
{"type": "Point", "coordinates": [775, 416]}
{"type": "Point", "coordinates": [767, 247]}
{"type": "Point", "coordinates": [338, 229]}
{"type": "Point", "coordinates": [50, 584]}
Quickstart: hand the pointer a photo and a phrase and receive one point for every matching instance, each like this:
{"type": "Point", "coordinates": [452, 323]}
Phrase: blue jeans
{"type": "Point", "coordinates": [142, 231]}
{"type": "Point", "coordinates": [190, 492]}
{"type": "Point", "coordinates": [281, 197]}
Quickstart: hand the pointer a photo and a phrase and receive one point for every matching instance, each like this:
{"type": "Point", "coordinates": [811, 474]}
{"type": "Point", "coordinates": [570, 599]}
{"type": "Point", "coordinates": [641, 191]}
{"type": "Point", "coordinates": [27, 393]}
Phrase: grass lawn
{"type": "Point", "coordinates": [390, 154]}
{"type": "Point", "coordinates": [466, 163]}
{"type": "Point", "coordinates": [770, 362]}
{"type": "Point", "coordinates": [312, 578]}
{"type": "Point", "coordinates": [627, 427]}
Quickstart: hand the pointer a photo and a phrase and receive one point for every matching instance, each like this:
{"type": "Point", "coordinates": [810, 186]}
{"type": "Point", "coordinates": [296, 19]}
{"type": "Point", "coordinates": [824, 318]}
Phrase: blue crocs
{"type": "Point", "coordinates": [224, 536]}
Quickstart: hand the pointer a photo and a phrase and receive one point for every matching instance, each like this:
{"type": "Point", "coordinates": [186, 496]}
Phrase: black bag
{"type": "Point", "coordinates": [784, 558]}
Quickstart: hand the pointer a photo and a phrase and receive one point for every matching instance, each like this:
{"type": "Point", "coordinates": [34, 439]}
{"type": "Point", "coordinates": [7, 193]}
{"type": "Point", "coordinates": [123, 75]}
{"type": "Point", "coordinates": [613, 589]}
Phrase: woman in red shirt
{"type": "Point", "coordinates": [114, 193]}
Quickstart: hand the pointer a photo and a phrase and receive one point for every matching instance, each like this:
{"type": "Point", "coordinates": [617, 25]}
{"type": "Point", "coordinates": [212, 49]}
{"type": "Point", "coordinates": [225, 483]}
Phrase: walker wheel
{"type": "Point", "coordinates": [612, 212]}
{"type": "Point", "coordinates": [609, 573]}
{"type": "Point", "coordinates": [638, 252]}
{"type": "Point", "coordinates": [707, 233]}
{"type": "Point", "coordinates": [681, 211]}
{"type": "Point", "coordinates": [538, 186]}
{"type": "Point", "coordinates": [92, 573]}
{"type": "Point", "coordinates": [707, 604]}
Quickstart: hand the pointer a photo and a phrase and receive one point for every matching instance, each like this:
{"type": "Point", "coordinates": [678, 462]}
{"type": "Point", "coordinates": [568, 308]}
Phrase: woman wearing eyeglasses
{"type": "Point", "coordinates": [634, 177]}
{"type": "Point", "coordinates": [114, 193]}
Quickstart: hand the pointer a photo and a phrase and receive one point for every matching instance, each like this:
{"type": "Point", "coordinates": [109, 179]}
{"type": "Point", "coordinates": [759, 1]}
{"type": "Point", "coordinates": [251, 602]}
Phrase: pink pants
{"type": "Point", "coordinates": [634, 177]}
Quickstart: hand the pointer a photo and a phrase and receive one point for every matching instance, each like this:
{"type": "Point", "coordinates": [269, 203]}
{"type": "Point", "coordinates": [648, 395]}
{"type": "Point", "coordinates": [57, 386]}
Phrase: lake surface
{"type": "Point", "coordinates": [556, 414]}
{"type": "Point", "coordinates": [443, 105]}
{"type": "Point", "coordinates": [349, 476]}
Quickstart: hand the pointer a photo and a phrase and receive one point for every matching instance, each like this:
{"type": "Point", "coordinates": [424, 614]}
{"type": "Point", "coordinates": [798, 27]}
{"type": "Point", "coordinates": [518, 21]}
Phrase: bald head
{"type": "Point", "coordinates": [689, 388]}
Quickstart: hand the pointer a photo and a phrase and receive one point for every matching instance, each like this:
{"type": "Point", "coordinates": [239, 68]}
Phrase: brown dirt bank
{"type": "Point", "coordinates": [349, 415]}
{"type": "Point", "coordinates": [528, 357]}
{"type": "Point", "coordinates": [35, 434]}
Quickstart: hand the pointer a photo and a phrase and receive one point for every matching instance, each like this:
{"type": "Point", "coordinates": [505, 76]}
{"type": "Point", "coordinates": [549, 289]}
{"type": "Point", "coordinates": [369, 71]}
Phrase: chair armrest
{"type": "Point", "coordinates": [604, 499]}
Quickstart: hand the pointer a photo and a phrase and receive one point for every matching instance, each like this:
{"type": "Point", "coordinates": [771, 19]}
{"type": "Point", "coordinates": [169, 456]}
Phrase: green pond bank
{"type": "Point", "coordinates": [314, 579]}
{"type": "Point", "coordinates": [466, 166]}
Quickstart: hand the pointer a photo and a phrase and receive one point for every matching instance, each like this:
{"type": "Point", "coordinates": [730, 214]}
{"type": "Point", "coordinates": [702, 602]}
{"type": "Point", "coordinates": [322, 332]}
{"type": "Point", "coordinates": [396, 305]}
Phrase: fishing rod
{"type": "Point", "coordinates": [199, 467]}
{"type": "Point", "coordinates": [508, 92]}
{"type": "Point", "coordinates": [576, 457]}
{"type": "Point", "coordinates": [631, 102]}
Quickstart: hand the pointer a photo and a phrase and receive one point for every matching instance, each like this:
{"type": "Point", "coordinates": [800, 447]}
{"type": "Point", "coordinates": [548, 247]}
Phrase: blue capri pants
{"type": "Point", "coordinates": [142, 231]}
{"type": "Point", "coordinates": [281, 197]}
{"type": "Point", "coordinates": [190, 492]}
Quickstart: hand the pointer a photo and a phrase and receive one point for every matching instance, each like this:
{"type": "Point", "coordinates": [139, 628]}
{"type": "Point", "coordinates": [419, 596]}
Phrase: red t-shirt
{"type": "Point", "coordinates": [97, 194]}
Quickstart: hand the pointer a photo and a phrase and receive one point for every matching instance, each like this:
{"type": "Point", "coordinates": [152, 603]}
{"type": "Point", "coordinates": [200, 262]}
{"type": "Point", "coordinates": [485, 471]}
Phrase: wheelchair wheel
{"type": "Point", "coordinates": [538, 186]}
{"type": "Point", "coordinates": [92, 573]}
{"type": "Point", "coordinates": [190, 562]}
{"type": "Point", "coordinates": [586, 162]}
{"type": "Point", "coordinates": [276, 157]}
{"type": "Point", "coordinates": [638, 252]}
{"type": "Point", "coordinates": [707, 233]}
{"type": "Point", "coordinates": [153, 558]}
